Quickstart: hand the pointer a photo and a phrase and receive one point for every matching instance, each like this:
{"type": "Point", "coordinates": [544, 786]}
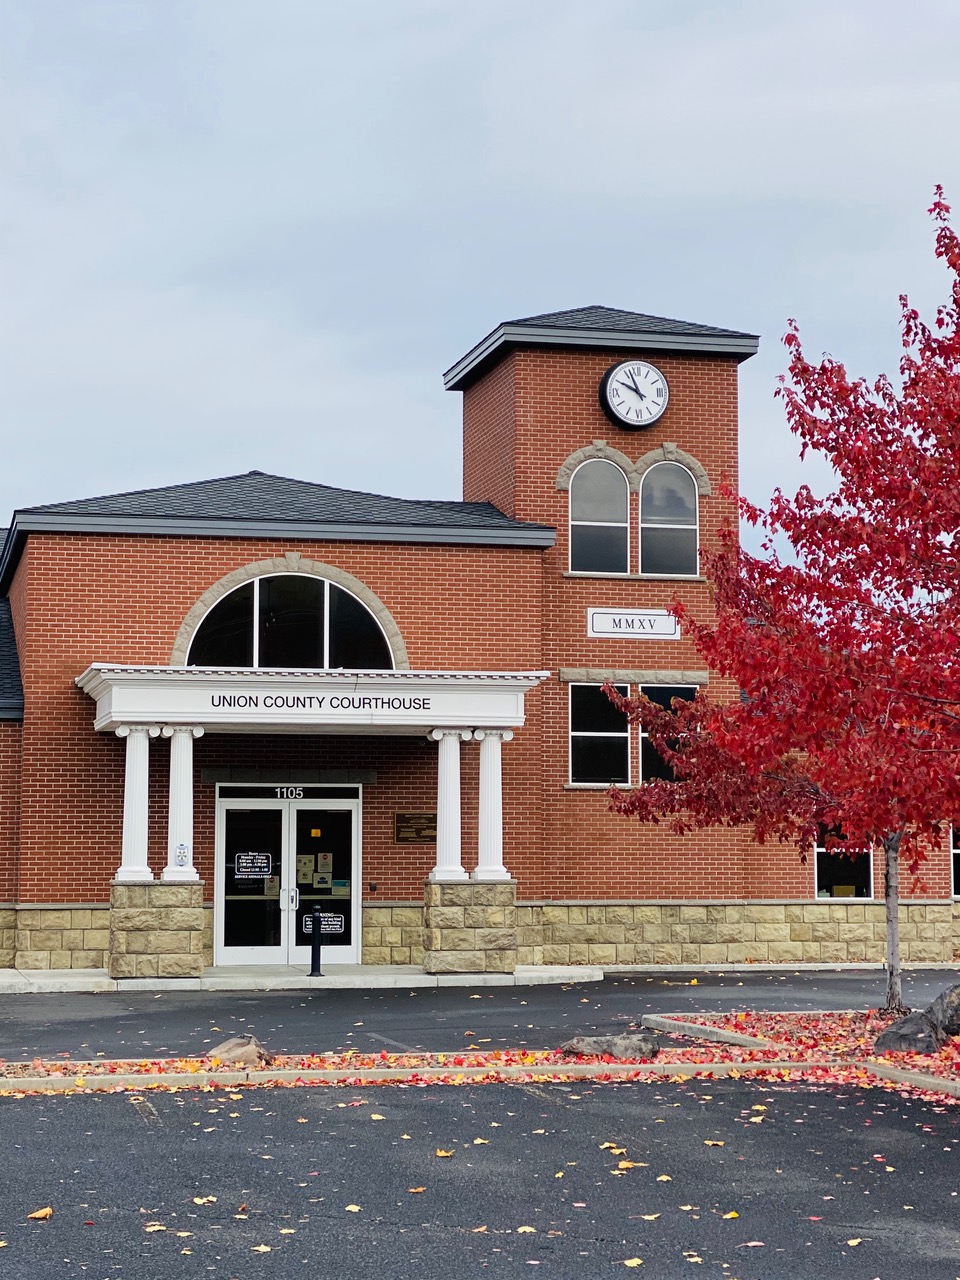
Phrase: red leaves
{"type": "Point", "coordinates": [842, 636]}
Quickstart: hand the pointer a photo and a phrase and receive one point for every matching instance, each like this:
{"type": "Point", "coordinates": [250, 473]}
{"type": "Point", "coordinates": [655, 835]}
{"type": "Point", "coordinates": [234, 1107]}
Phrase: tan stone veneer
{"type": "Point", "coordinates": [821, 932]}
{"type": "Point", "coordinates": [156, 931]}
{"type": "Point", "coordinates": [52, 937]}
{"type": "Point", "coordinates": [470, 927]}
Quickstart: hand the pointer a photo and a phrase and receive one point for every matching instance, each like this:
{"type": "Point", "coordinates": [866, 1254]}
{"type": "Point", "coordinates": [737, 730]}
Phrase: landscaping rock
{"type": "Point", "coordinates": [916, 1033]}
{"type": "Point", "coordinates": [945, 1011]}
{"type": "Point", "coordinates": [241, 1051]}
{"type": "Point", "coordinates": [924, 1032]}
{"type": "Point", "coordinates": [627, 1047]}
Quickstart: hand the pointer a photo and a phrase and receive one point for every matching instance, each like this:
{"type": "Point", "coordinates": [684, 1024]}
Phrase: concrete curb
{"type": "Point", "coordinates": [356, 978]}
{"type": "Point", "coordinates": [391, 1075]}
{"type": "Point", "coordinates": [886, 1071]}
{"type": "Point", "coordinates": [701, 1031]}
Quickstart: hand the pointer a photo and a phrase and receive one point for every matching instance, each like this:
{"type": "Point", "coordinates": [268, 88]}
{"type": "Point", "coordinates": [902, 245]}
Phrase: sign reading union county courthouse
{"type": "Point", "coordinates": [641, 624]}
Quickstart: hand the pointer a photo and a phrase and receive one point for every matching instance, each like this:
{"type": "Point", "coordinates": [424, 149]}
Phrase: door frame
{"type": "Point", "coordinates": [287, 953]}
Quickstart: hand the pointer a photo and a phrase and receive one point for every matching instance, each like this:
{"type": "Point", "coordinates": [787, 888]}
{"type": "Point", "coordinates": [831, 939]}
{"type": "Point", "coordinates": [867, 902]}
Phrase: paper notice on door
{"type": "Point", "coordinates": [271, 887]}
{"type": "Point", "coordinates": [305, 866]}
{"type": "Point", "coordinates": [321, 880]}
{"type": "Point", "coordinates": [341, 889]}
{"type": "Point", "coordinates": [315, 831]}
{"type": "Point", "coordinates": [325, 862]}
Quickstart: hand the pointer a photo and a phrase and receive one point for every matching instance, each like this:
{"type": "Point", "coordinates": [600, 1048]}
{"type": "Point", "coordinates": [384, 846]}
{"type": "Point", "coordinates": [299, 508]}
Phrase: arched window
{"type": "Point", "coordinates": [668, 521]}
{"type": "Point", "coordinates": [599, 519]}
{"type": "Point", "coordinates": [290, 620]}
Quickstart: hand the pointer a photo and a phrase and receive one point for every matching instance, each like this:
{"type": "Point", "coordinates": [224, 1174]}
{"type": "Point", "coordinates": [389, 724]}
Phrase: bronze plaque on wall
{"type": "Point", "coordinates": [414, 828]}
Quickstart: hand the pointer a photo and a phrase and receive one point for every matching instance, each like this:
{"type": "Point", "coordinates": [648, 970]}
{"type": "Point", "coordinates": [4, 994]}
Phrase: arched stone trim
{"type": "Point", "coordinates": [668, 452]}
{"type": "Point", "coordinates": [292, 562]}
{"type": "Point", "coordinates": [598, 449]}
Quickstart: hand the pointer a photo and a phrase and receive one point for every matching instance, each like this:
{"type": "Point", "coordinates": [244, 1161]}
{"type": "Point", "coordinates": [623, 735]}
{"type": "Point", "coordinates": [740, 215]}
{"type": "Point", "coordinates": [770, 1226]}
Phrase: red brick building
{"type": "Point", "coordinates": [226, 703]}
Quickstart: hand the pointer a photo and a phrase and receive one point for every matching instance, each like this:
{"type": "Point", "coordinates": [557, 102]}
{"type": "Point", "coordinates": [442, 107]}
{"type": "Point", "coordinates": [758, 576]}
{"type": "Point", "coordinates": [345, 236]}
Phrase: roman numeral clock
{"type": "Point", "coordinates": [633, 394]}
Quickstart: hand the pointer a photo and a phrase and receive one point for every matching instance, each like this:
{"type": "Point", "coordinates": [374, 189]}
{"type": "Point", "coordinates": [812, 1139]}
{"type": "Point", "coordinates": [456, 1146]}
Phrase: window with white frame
{"type": "Point", "coordinates": [291, 621]}
{"type": "Point", "coordinates": [599, 519]}
{"type": "Point", "coordinates": [599, 737]}
{"type": "Point", "coordinates": [669, 527]}
{"type": "Point", "coordinates": [653, 767]}
{"type": "Point", "coordinates": [838, 875]}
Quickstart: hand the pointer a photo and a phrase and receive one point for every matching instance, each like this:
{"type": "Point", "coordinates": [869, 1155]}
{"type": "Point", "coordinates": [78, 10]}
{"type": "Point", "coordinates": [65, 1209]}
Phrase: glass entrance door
{"type": "Point", "coordinates": [276, 861]}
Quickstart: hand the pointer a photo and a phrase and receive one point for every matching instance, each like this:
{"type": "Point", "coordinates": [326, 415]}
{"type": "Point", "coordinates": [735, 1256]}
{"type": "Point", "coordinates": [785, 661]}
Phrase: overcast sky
{"type": "Point", "coordinates": [253, 233]}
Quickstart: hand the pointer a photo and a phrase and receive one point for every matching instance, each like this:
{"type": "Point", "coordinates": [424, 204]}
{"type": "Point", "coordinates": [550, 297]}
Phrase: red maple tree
{"type": "Point", "coordinates": [844, 644]}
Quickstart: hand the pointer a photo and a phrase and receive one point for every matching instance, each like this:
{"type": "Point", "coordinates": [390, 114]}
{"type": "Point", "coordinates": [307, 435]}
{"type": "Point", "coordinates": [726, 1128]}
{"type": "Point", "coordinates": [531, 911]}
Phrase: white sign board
{"type": "Point", "coordinates": [633, 624]}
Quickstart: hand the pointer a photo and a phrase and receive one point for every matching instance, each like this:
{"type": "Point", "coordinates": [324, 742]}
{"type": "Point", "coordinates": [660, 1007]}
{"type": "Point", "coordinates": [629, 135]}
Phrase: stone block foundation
{"type": "Point", "coordinates": [469, 927]}
{"type": "Point", "coordinates": [156, 931]}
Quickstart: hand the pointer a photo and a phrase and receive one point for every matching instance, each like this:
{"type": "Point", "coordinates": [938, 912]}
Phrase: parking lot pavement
{"type": "Point", "coordinates": [173, 1024]}
{"type": "Point", "coordinates": [744, 1180]}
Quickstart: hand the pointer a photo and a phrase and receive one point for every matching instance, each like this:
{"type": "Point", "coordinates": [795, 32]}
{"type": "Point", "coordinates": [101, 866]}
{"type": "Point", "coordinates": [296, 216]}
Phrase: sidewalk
{"type": "Point", "coordinates": [290, 978]}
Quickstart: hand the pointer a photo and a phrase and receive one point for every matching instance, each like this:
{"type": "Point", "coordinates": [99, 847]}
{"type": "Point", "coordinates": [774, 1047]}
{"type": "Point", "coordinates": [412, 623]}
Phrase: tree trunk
{"type": "Point", "coordinates": [891, 852]}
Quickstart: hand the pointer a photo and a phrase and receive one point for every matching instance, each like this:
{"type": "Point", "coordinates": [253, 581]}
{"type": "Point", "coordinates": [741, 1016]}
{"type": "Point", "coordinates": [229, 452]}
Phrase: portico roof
{"type": "Point", "coordinates": [247, 700]}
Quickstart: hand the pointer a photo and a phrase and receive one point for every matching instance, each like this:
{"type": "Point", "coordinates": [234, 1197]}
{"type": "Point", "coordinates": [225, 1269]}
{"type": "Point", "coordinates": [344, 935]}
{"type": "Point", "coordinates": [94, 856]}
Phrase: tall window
{"type": "Point", "coordinates": [599, 519]}
{"type": "Point", "coordinates": [652, 764]}
{"type": "Point", "coordinates": [840, 876]}
{"type": "Point", "coordinates": [955, 852]}
{"type": "Point", "coordinates": [599, 737]}
{"type": "Point", "coordinates": [668, 521]}
{"type": "Point", "coordinates": [290, 620]}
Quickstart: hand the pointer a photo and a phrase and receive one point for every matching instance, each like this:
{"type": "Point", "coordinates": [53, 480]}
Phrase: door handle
{"type": "Point", "coordinates": [294, 899]}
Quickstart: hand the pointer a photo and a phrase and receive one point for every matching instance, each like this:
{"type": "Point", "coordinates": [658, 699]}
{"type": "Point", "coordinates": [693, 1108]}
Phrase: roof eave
{"type": "Point", "coordinates": [738, 346]}
{"type": "Point", "coordinates": [24, 523]}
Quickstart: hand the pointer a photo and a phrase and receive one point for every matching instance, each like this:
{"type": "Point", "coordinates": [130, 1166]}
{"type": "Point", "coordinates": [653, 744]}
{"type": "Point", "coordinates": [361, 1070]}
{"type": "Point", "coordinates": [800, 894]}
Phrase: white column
{"type": "Point", "coordinates": [180, 820]}
{"type": "Point", "coordinates": [449, 865]}
{"type": "Point", "coordinates": [136, 802]}
{"type": "Point", "coordinates": [490, 862]}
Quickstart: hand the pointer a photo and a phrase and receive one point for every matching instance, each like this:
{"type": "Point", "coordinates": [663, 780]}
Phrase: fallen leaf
{"type": "Point", "coordinates": [481, 1142]}
{"type": "Point", "coordinates": [405, 1137]}
{"type": "Point", "coordinates": [204, 1199]}
{"type": "Point", "coordinates": [353, 1208]}
{"type": "Point", "coordinates": [300, 1119]}
{"type": "Point", "coordinates": [664, 1177]}
{"type": "Point", "coordinates": [649, 1217]}
{"type": "Point", "coordinates": [686, 1207]}
{"type": "Point", "coordinates": [539, 1131]}
{"type": "Point", "coordinates": [559, 1175]}
{"type": "Point", "coordinates": [733, 1214]}
{"type": "Point", "coordinates": [443, 1154]}
{"type": "Point", "coordinates": [751, 1244]}
{"type": "Point", "coordinates": [376, 1116]}
{"type": "Point", "coordinates": [633, 1262]}
{"type": "Point", "coordinates": [41, 1215]}
{"type": "Point", "coordinates": [525, 1230]}
{"type": "Point", "coordinates": [154, 1226]}
{"type": "Point", "coordinates": [415, 1191]}
{"type": "Point", "coordinates": [855, 1240]}
{"type": "Point", "coordinates": [709, 1142]}
{"type": "Point", "coordinates": [182, 1234]}
{"type": "Point", "coordinates": [476, 1231]}
{"type": "Point", "coordinates": [260, 1248]}
{"type": "Point", "coordinates": [288, 1231]}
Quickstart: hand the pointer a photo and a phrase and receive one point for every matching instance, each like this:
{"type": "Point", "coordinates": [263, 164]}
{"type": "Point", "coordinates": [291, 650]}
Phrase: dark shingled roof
{"type": "Point", "coordinates": [11, 690]}
{"type": "Point", "coordinates": [604, 327]}
{"type": "Point", "coordinates": [610, 318]}
{"type": "Point", "coordinates": [260, 505]}
{"type": "Point", "coordinates": [257, 496]}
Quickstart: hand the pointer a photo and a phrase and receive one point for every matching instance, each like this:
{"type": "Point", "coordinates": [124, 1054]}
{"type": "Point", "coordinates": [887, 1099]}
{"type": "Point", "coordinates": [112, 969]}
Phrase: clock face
{"type": "Point", "coordinates": [633, 394]}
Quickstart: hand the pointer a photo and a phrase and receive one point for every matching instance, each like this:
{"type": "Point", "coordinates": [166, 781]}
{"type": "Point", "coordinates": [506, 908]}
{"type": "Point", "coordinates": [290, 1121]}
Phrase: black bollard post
{"type": "Point", "coordinates": [315, 941]}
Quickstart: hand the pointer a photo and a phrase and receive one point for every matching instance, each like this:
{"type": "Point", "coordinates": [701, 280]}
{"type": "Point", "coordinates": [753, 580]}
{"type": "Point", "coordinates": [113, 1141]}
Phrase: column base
{"type": "Point", "coordinates": [133, 875]}
{"type": "Point", "coordinates": [448, 875]}
{"type": "Point", "coordinates": [179, 875]}
{"type": "Point", "coordinates": [490, 875]}
{"type": "Point", "coordinates": [156, 931]}
{"type": "Point", "coordinates": [470, 927]}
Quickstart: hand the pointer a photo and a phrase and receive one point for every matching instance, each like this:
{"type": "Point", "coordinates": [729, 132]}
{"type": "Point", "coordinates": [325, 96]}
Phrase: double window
{"type": "Point", "coordinates": [291, 621]}
{"type": "Point", "coordinates": [667, 530]}
{"type": "Point", "coordinates": [601, 750]}
{"type": "Point", "coordinates": [838, 875]}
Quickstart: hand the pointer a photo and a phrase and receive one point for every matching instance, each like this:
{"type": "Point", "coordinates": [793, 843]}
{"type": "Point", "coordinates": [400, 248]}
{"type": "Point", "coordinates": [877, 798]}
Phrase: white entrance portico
{"type": "Point", "coordinates": [183, 703]}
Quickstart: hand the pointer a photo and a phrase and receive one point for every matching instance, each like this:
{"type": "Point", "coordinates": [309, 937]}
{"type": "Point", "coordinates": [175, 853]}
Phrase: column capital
{"type": "Point", "coordinates": [505, 735]}
{"type": "Point", "coordinates": [124, 730]}
{"type": "Point", "coordinates": [463, 734]}
{"type": "Point", "coordinates": [195, 730]}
